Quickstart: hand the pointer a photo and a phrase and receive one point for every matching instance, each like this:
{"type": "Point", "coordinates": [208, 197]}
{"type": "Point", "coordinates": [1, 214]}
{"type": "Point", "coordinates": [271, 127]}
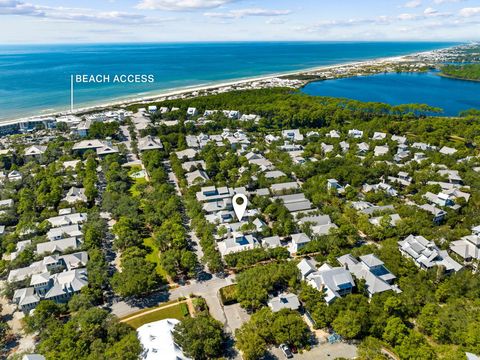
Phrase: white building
{"type": "Point", "coordinates": [157, 341]}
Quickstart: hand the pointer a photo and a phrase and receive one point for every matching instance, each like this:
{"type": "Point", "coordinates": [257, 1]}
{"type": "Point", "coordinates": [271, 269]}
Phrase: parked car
{"type": "Point", "coordinates": [286, 351]}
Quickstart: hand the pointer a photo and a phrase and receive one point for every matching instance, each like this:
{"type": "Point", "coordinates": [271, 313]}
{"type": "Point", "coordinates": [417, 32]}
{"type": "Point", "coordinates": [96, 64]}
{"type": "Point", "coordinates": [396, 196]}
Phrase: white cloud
{"type": "Point", "coordinates": [20, 8]}
{"type": "Point", "coordinates": [469, 12]}
{"type": "Point", "coordinates": [407, 17]}
{"type": "Point", "coordinates": [179, 5]}
{"type": "Point", "coordinates": [236, 14]}
{"type": "Point", "coordinates": [430, 11]}
{"type": "Point", "coordinates": [438, 2]}
{"type": "Point", "coordinates": [413, 4]}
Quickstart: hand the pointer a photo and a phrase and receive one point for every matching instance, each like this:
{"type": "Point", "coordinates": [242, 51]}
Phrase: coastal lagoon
{"type": "Point", "coordinates": [428, 88]}
{"type": "Point", "coordinates": [35, 79]}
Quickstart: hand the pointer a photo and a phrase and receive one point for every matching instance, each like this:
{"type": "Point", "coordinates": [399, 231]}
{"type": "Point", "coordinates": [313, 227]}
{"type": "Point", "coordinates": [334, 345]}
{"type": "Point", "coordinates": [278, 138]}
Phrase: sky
{"type": "Point", "coordinates": [93, 21]}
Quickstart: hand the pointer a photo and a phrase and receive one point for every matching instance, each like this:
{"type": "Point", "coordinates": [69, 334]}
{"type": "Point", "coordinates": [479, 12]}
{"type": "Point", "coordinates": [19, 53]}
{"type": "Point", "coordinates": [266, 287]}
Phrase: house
{"type": "Point", "coordinates": [381, 186]}
{"type": "Point", "coordinates": [423, 146]}
{"type": "Point", "coordinates": [333, 134]}
{"type": "Point", "coordinates": [190, 166]}
{"type": "Point", "coordinates": [212, 193]}
{"type": "Point", "coordinates": [468, 247]}
{"type": "Point", "coordinates": [284, 301]}
{"type": "Point", "coordinates": [284, 187]}
{"type": "Point", "coordinates": [371, 269]}
{"type": "Point", "coordinates": [295, 202]}
{"type": "Point", "coordinates": [14, 175]}
{"type": "Point", "coordinates": [438, 214]}
{"type": "Point", "coordinates": [152, 109]}
{"type": "Point", "coordinates": [402, 178]}
{"type": "Point", "coordinates": [292, 135]}
{"type": "Point", "coordinates": [393, 219]}
{"type": "Point", "coordinates": [6, 204]}
{"type": "Point", "coordinates": [67, 219]}
{"type": "Point", "coordinates": [35, 152]}
{"type": "Point", "coordinates": [333, 282]}
{"type": "Point", "coordinates": [381, 150]}
{"type": "Point", "coordinates": [102, 148]}
{"type": "Point", "coordinates": [58, 246]}
{"type": "Point", "coordinates": [83, 127]}
{"type": "Point", "coordinates": [356, 134]}
{"type": "Point", "coordinates": [259, 160]}
{"type": "Point", "coordinates": [157, 341]}
{"type": "Point", "coordinates": [298, 242]}
{"type": "Point", "coordinates": [237, 242]}
{"type": "Point", "coordinates": [149, 143]}
{"type": "Point", "coordinates": [426, 254]}
{"type": "Point", "coordinates": [452, 175]}
{"type": "Point", "coordinates": [419, 156]}
{"type": "Point", "coordinates": [326, 148]}
{"type": "Point", "coordinates": [319, 224]}
{"type": "Point", "coordinates": [306, 267]}
{"type": "Point", "coordinates": [379, 136]}
{"type": "Point", "coordinates": [33, 357]}
{"type": "Point", "coordinates": [345, 146]}
{"type": "Point", "coordinates": [65, 231]}
{"type": "Point", "coordinates": [21, 245]}
{"type": "Point", "coordinates": [191, 111]}
{"type": "Point", "coordinates": [333, 184]}
{"type": "Point", "coordinates": [271, 242]}
{"type": "Point", "coordinates": [274, 174]}
{"type": "Point", "coordinates": [75, 195]}
{"type": "Point", "coordinates": [399, 139]}
{"type": "Point", "coordinates": [187, 153]}
{"type": "Point", "coordinates": [49, 263]}
{"type": "Point", "coordinates": [447, 150]}
{"type": "Point", "coordinates": [58, 287]}
{"type": "Point", "coordinates": [195, 177]}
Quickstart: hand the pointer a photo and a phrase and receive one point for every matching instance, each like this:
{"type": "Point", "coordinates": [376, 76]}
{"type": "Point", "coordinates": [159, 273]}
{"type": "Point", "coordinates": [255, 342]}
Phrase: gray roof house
{"type": "Point", "coordinates": [75, 194]}
{"type": "Point", "coordinates": [149, 143]}
{"type": "Point", "coordinates": [59, 287]}
{"type": "Point", "coordinates": [298, 241]}
{"type": "Point", "coordinates": [284, 301]}
{"type": "Point", "coordinates": [332, 282]}
{"type": "Point", "coordinates": [426, 254]}
{"type": "Point", "coordinates": [236, 243]}
{"type": "Point", "coordinates": [468, 247]}
{"type": "Point", "coordinates": [371, 269]}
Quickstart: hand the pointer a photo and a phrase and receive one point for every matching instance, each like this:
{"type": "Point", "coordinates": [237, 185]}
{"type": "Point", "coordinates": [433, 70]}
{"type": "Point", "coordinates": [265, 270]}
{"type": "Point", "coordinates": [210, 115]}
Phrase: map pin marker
{"type": "Point", "coordinates": [240, 202]}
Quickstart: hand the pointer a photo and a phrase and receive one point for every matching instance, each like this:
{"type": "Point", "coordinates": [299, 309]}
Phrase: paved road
{"type": "Point", "coordinates": [207, 289]}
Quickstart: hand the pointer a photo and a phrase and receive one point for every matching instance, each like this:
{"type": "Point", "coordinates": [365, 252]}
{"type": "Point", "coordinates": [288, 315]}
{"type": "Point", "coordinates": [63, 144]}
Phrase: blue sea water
{"type": "Point", "coordinates": [35, 79]}
{"type": "Point", "coordinates": [452, 95]}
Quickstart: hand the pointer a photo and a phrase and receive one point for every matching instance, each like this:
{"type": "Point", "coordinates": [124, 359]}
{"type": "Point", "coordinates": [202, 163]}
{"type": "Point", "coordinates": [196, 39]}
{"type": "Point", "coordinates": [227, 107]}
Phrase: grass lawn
{"type": "Point", "coordinates": [177, 311]}
{"type": "Point", "coordinates": [154, 256]}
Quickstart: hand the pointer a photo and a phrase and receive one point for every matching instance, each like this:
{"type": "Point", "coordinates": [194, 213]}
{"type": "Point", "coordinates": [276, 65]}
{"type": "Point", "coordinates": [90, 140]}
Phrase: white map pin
{"type": "Point", "coordinates": [240, 203]}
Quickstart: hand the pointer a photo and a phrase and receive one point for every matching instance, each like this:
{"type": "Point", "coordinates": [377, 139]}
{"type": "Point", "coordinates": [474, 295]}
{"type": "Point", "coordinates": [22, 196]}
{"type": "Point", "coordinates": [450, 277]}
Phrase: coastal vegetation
{"type": "Point", "coordinates": [464, 72]}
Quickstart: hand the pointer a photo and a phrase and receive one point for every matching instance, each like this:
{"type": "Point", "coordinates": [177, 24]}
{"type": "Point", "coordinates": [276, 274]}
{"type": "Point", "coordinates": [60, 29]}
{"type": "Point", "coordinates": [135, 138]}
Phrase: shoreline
{"type": "Point", "coordinates": [156, 96]}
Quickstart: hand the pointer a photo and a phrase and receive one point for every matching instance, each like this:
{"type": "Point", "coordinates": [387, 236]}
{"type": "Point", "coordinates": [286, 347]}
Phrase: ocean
{"type": "Point", "coordinates": [451, 95]}
{"type": "Point", "coordinates": [35, 79]}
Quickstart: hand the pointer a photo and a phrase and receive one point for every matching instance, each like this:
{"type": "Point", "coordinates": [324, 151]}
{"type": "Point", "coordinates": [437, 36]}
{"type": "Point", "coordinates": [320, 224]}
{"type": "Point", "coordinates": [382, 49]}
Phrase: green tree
{"type": "Point", "coordinates": [201, 337]}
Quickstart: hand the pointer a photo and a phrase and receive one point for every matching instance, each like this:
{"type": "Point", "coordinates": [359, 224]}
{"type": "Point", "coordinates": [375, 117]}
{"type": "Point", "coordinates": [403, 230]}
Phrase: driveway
{"type": "Point", "coordinates": [236, 316]}
{"type": "Point", "coordinates": [322, 352]}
